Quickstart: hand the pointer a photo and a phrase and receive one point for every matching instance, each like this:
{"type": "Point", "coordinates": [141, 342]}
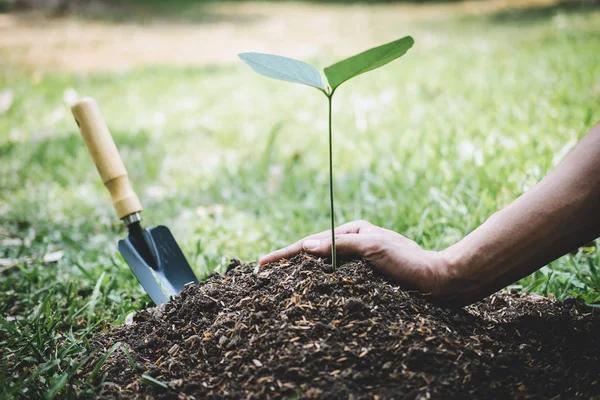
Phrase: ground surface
{"type": "Point", "coordinates": [299, 330]}
{"type": "Point", "coordinates": [490, 98]}
{"type": "Point", "coordinates": [193, 33]}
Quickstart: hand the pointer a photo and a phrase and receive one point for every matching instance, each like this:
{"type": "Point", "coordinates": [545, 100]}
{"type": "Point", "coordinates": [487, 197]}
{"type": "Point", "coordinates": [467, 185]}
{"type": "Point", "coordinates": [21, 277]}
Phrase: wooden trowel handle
{"type": "Point", "coordinates": [106, 156]}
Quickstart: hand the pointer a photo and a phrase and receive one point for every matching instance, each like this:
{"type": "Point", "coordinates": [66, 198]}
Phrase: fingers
{"type": "Point", "coordinates": [346, 245]}
{"type": "Point", "coordinates": [353, 227]}
{"type": "Point", "coordinates": [291, 250]}
{"type": "Point", "coordinates": [286, 252]}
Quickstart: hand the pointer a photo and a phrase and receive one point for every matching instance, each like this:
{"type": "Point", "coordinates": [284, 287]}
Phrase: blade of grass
{"type": "Point", "coordinates": [57, 385]}
{"type": "Point", "coordinates": [9, 327]}
{"type": "Point", "coordinates": [268, 151]}
{"type": "Point", "coordinates": [130, 358]}
{"type": "Point", "coordinates": [94, 298]}
{"type": "Point", "coordinates": [102, 360]}
{"type": "Point", "coordinates": [148, 380]}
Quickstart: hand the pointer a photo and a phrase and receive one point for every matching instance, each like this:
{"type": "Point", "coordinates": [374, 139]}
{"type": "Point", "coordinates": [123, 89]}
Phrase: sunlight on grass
{"type": "Point", "coordinates": [237, 166]}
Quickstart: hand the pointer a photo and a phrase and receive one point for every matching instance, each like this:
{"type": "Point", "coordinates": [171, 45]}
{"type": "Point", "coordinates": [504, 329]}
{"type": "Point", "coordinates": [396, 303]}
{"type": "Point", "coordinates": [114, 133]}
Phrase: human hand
{"type": "Point", "coordinates": [384, 250]}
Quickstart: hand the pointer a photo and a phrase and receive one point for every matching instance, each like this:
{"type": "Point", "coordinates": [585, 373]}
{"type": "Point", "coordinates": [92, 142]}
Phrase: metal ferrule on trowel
{"type": "Point", "coordinates": [152, 254]}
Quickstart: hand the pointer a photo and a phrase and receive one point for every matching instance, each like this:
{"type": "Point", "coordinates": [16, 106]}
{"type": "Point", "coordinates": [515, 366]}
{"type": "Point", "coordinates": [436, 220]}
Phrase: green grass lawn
{"type": "Point", "coordinates": [236, 165]}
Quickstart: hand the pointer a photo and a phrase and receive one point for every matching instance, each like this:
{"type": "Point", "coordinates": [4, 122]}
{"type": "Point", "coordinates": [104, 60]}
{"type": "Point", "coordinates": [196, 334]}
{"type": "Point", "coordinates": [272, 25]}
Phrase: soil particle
{"type": "Point", "coordinates": [296, 330]}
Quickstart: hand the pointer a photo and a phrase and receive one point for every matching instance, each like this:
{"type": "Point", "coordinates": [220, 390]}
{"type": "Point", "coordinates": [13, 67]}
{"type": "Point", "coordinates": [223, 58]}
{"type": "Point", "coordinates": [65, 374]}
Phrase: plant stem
{"type": "Point", "coordinates": [333, 252]}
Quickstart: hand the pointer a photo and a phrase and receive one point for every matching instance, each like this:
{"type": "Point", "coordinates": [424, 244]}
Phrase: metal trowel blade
{"type": "Point", "coordinates": [162, 273]}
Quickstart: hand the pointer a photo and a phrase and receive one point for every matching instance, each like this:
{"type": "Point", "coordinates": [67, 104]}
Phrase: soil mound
{"type": "Point", "coordinates": [297, 330]}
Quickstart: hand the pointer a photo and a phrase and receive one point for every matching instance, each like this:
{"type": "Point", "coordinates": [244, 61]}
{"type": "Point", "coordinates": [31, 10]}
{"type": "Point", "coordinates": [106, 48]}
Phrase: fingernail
{"type": "Point", "coordinates": [311, 244]}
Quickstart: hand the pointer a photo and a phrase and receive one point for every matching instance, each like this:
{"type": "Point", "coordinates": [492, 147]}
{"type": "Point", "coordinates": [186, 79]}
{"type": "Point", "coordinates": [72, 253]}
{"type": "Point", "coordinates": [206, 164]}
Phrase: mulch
{"type": "Point", "coordinates": [296, 329]}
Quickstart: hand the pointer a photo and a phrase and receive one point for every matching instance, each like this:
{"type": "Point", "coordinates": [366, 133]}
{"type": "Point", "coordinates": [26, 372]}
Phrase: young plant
{"type": "Point", "coordinates": [290, 70]}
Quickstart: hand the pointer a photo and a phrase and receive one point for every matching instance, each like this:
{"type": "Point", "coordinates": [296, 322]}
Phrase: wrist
{"type": "Point", "coordinates": [449, 266]}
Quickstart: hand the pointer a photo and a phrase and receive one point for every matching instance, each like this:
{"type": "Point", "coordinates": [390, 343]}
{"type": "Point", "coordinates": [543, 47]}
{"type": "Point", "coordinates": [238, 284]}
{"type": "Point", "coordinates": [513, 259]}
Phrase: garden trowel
{"type": "Point", "coordinates": [153, 255]}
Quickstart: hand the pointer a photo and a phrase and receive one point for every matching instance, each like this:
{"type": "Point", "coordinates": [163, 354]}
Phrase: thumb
{"type": "Point", "coordinates": [346, 245]}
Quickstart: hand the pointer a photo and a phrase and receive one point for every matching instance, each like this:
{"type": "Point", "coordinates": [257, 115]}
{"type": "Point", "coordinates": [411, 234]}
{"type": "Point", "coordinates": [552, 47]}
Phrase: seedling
{"type": "Point", "coordinates": [290, 70]}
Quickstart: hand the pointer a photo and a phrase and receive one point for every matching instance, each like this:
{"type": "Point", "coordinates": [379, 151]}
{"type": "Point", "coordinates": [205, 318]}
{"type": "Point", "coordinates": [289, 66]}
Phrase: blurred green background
{"type": "Point", "coordinates": [493, 94]}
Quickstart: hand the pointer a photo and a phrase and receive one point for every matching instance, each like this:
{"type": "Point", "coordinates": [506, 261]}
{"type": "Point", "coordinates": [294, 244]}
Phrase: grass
{"type": "Point", "coordinates": [479, 111]}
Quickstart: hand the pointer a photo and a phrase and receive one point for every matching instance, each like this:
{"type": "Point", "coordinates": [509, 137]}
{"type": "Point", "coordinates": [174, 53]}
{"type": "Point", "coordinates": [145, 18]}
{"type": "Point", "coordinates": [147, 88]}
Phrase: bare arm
{"type": "Point", "coordinates": [559, 214]}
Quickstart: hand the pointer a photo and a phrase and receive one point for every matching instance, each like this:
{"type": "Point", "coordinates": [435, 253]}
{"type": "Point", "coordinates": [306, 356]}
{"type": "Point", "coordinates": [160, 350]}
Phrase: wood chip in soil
{"type": "Point", "coordinates": [295, 329]}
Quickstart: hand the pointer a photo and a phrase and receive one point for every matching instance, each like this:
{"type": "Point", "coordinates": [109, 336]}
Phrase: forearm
{"type": "Point", "coordinates": [559, 214]}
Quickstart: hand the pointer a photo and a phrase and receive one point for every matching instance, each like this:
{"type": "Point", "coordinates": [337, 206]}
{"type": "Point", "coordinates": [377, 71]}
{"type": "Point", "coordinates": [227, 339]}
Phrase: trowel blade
{"type": "Point", "coordinates": [171, 271]}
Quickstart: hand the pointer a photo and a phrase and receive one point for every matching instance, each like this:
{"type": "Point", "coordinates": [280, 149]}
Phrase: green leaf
{"type": "Point", "coordinates": [9, 327]}
{"type": "Point", "coordinates": [94, 299]}
{"type": "Point", "coordinates": [57, 385]}
{"type": "Point", "coordinates": [148, 380]}
{"type": "Point", "coordinates": [130, 359]}
{"type": "Point", "coordinates": [367, 61]}
{"type": "Point", "coordinates": [284, 69]}
{"type": "Point", "coordinates": [102, 360]}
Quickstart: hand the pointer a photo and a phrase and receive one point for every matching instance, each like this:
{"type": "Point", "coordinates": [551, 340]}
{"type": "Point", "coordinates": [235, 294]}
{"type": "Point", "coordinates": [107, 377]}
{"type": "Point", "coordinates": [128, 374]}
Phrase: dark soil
{"type": "Point", "coordinates": [298, 330]}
